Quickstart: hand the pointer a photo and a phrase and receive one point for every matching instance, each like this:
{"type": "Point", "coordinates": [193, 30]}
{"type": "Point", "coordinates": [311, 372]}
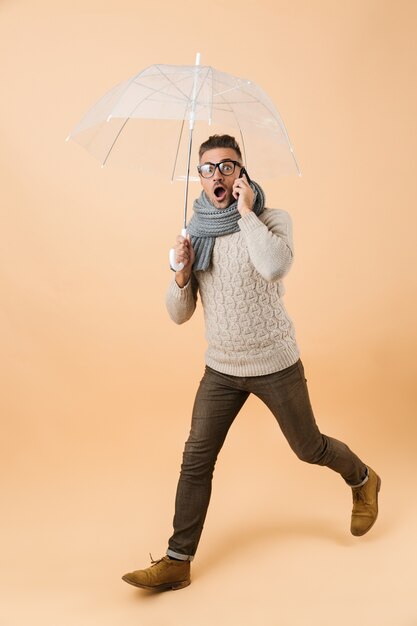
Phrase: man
{"type": "Point", "coordinates": [235, 256]}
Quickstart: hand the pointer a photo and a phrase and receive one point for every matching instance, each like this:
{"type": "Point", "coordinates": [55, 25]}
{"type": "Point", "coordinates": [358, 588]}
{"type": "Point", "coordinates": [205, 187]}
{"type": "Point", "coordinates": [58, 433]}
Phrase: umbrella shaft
{"type": "Point", "coordinates": [190, 141]}
{"type": "Point", "coordinates": [187, 178]}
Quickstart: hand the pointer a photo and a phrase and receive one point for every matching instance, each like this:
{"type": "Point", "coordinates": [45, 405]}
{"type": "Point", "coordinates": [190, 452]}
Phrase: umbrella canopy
{"type": "Point", "coordinates": [144, 122]}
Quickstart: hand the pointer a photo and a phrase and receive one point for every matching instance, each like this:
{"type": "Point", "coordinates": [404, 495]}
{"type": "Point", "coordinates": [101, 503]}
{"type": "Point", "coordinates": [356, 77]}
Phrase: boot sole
{"type": "Point", "coordinates": [378, 487]}
{"type": "Point", "coordinates": [165, 586]}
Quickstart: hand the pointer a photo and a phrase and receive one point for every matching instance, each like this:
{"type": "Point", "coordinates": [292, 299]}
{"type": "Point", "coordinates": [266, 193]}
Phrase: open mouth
{"type": "Point", "coordinates": [220, 193]}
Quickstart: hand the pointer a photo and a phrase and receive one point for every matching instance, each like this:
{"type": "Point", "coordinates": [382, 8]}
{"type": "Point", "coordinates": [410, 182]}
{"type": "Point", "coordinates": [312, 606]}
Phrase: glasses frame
{"type": "Point", "coordinates": [217, 165]}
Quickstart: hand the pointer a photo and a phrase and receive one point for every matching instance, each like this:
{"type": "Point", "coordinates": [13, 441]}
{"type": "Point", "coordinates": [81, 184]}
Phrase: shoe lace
{"type": "Point", "coordinates": [153, 562]}
{"type": "Point", "coordinates": [358, 495]}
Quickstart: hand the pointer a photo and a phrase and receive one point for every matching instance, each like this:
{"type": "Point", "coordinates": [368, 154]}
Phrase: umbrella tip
{"type": "Point", "coordinates": [197, 58]}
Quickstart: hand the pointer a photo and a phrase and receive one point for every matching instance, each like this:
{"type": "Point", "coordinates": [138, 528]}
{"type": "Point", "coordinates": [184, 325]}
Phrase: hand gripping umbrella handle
{"type": "Point", "coordinates": [177, 267]}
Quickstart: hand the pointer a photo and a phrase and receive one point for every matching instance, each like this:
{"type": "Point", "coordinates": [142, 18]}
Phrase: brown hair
{"type": "Point", "coordinates": [220, 141]}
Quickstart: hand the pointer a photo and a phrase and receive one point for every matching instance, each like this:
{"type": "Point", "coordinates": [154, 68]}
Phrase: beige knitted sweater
{"type": "Point", "coordinates": [248, 330]}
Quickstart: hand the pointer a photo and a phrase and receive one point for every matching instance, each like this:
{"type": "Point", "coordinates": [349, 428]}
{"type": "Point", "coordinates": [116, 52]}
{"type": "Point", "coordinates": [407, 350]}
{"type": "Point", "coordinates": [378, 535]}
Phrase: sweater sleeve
{"type": "Point", "coordinates": [269, 240]}
{"type": "Point", "coordinates": [181, 302]}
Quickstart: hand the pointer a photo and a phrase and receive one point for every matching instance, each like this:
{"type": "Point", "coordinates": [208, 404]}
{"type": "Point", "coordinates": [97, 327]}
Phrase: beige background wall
{"type": "Point", "coordinates": [97, 383]}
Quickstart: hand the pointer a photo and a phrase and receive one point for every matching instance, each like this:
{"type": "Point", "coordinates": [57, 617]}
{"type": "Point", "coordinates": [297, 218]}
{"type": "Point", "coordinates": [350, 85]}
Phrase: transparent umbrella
{"type": "Point", "coordinates": [156, 120]}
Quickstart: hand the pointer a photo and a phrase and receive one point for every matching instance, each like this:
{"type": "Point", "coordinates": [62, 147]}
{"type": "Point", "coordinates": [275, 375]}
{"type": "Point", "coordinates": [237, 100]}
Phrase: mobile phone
{"type": "Point", "coordinates": [244, 172]}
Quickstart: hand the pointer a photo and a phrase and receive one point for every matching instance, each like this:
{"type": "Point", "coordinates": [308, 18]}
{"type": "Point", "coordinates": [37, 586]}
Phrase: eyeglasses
{"type": "Point", "coordinates": [226, 168]}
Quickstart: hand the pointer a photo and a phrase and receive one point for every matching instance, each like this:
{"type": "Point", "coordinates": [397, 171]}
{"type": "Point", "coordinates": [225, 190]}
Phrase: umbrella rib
{"type": "Point", "coordinates": [178, 149]}
{"type": "Point", "coordinates": [243, 145]}
{"type": "Point", "coordinates": [161, 89]}
{"type": "Point", "coordinates": [239, 85]}
{"type": "Point", "coordinates": [226, 105]}
{"type": "Point", "coordinates": [221, 93]}
{"type": "Point", "coordinates": [253, 98]}
{"type": "Point", "coordinates": [275, 115]}
{"type": "Point", "coordinates": [154, 91]}
{"type": "Point", "coordinates": [211, 99]}
{"type": "Point", "coordinates": [239, 101]}
{"type": "Point", "coordinates": [240, 130]}
{"type": "Point", "coordinates": [185, 95]}
{"type": "Point", "coordinates": [172, 83]}
{"type": "Point", "coordinates": [114, 142]}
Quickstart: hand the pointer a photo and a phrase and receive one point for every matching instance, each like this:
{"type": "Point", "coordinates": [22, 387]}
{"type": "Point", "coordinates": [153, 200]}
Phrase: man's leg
{"type": "Point", "coordinates": [219, 399]}
{"type": "Point", "coordinates": [286, 395]}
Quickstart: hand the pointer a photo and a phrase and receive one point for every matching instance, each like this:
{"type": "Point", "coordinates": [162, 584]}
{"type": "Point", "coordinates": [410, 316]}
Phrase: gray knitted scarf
{"type": "Point", "coordinates": [208, 223]}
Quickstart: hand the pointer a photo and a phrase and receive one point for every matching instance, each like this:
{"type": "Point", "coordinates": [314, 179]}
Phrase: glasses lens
{"type": "Point", "coordinates": [207, 170]}
{"type": "Point", "coordinates": [227, 167]}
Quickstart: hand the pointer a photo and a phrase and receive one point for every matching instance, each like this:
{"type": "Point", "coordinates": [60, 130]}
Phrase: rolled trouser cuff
{"type": "Point", "coordinates": [362, 483]}
{"type": "Point", "coordinates": [180, 557]}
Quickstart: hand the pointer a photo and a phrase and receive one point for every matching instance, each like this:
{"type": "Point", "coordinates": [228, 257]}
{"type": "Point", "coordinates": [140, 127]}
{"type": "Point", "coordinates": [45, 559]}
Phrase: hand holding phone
{"type": "Point", "coordinates": [243, 193]}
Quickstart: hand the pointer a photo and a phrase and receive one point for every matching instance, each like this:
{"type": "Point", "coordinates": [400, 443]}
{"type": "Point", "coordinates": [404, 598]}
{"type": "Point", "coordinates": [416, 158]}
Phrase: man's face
{"type": "Point", "coordinates": [219, 187]}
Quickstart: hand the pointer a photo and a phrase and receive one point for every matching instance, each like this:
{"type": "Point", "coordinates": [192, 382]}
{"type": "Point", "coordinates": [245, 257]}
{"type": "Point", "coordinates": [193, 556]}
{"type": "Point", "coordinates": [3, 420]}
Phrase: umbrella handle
{"type": "Point", "coordinates": [177, 267]}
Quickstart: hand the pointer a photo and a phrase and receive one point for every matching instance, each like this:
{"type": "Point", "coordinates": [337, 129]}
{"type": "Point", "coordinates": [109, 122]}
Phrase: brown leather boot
{"type": "Point", "coordinates": [165, 573]}
{"type": "Point", "coordinates": [365, 504]}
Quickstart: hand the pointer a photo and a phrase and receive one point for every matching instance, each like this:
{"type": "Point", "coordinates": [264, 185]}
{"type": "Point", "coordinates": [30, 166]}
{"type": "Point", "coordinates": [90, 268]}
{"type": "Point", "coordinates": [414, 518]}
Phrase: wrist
{"type": "Point", "coordinates": [182, 278]}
